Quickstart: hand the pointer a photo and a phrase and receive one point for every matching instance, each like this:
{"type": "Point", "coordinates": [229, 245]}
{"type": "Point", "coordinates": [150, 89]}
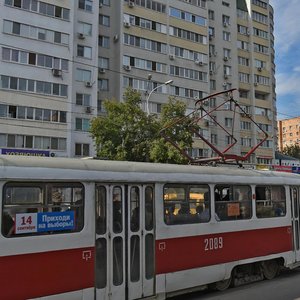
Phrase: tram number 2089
{"type": "Point", "coordinates": [214, 243]}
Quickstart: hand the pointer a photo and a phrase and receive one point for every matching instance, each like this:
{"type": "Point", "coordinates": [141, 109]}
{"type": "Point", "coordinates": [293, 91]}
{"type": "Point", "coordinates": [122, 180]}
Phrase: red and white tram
{"type": "Point", "coordinates": [91, 229]}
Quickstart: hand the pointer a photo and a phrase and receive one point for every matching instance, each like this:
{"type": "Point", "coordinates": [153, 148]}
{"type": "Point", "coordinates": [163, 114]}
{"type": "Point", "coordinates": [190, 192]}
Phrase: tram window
{"type": "Point", "coordinates": [270, 201]}
{"type": "Point", "coordinates": [117, 210]}
{"type": "Point", "coordinates": [101, 263]}
{"type": "Point", "coordinates": [117, 261]}
{"type": "Point", "coordinates": [134, 209]}
{"type": "Point", "coordinates": [149, 208]}
{"type": "Point", "coordinates": [101, 217]}
{"type": "Point", "coordinates": [186, 204]}
{"type": "Point", "coordinates": [233, 202]}
{"type": "Point", "coordinates": [33, 209]}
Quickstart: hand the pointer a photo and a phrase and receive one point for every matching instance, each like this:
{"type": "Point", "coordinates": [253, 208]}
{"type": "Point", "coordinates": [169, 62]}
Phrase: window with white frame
{"type": "Point", "coordinates": [103, 41]}
{"type": "Point", "coordinates": [84, 51]}
{"type": "Point", "coordinates": [226, 36]}
{"type": "Point", "coordinates": [228, 122]}
{"type": "Point", "coordinates": [83, 75]}
{"type": "Point", "coordinates": [82, 124]}
{"type": "Point", "coordinates": [246, 142]}
{"type": "Point", "coordinates": [83, 99]}
{"type": "Point", "coordinates": [245, 125]}
{"type": "Point", "coordinates": [243, 45]}
{"type": "Point", "coordinates": [86, 5]}
{"type": "Point", "coordinates": [104, 20]}
{"type": "Point", "coordinates": [85, 28]}
{"type": "Point", "coordinates": [105, 2]}
{"type": "Point", "coordinates": [103, 84]}
{"type": "Point", "coordinates": [34, 32]}
{"type": "Point", "coordinates": [243, 61]}
{"type": "Point", "coordinates": [103, 62]}
{"type": "Point", "coordinates": [244, 77]}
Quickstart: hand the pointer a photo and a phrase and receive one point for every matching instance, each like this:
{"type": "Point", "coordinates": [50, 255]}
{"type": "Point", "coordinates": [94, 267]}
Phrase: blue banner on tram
{"type": "Point", "coordinates": [44, 221]}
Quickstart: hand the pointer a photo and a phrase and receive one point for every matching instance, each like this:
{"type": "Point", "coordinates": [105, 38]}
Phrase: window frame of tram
{"type": "Point", "coordinates": [42, 208]}
{"type": "Point", "coordinates": [233, 202]}
{"type": "Point", "coordinates": [186, 203]}
{"type": "Point", "coordinates": [270, 201]}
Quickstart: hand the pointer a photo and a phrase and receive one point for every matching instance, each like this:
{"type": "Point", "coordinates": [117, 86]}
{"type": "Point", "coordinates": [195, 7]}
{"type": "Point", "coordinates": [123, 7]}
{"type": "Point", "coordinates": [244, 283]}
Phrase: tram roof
{"type": "Point", "coordinates": [126, 166]}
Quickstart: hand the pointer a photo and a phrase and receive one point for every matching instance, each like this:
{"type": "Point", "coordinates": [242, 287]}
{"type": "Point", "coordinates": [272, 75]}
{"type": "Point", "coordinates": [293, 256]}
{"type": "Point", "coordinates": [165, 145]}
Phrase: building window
{"type": "Point", "coordinates": [103, 41]}
{"type": "Point", "coordinates": [104, 20]}
{"type": "Point", "coordinates": [82, 149]}
{"type": "Point", "coordinates": [84, 51]}
{"type": "Point", "coordinates": [226, 36]}
{"type": "Point", "coordinates": [105, 2]}
{"type": "Point", "coordinates": [103, 84]}
{"type": "Point", "coordinates": [103, 63]}
{"type": "Point", "coordinates": [85, 28]}
{"type": "Point", "coordinates": [83, 99]}
{"type": "Point", "coordinates": [86, 5]}
{"type": "Point", "coordinates": [83, 75]}
{"type": "Point", "coordinates": [82, 124]}
{"type": "Point", "coordinates": [37, 33]}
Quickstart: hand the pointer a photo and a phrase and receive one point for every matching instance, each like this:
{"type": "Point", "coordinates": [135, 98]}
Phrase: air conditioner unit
{"type": "Point", "coordinates": [225, 76]}
{"type": "Point", "coordinates": [172, 56]}
{"type": "Point", "coordinates": [81, 36]}
{"type": "Point", "coordinates": [211, 72]}
{"type": "Point", "coordinates": [88, 109]}
{"type": "Point", "coordinates": [101, 70]}
{"type": "Point", "coordinates": [57, 72]}
{"type": "Point", "coordinates": [116, 38]}
{"type": "Point", "coordinates": [255, 83]}
{"type": "Point", "coordinates": [225, 58]}
{"type": "Point", "coordinates": [224, 84]}
{"type": "Point", "coordinates": [199, 62]}
{"type": "Point", "coordinates": [126, 24]}
{"type": "Point", "coordinates": [259, 69]}
{"type": "Point", "coordinates": [100, 5]}
{"type": "Point", "coordinates": [131, 4]}
{"type": "Point", "coordinates": [88, 84]}
{"type": "Point", "coordinates": [211, 36]}
{"type": "Point", "coordinates": [248, 32]}
{"type": "Point", "coordinates": [225, 24]}
{"type": "Point", "coordinates": [127, 67]}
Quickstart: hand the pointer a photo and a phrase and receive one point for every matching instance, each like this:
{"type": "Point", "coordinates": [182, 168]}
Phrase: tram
{"type": "Point", "coordinates": [94, 229]}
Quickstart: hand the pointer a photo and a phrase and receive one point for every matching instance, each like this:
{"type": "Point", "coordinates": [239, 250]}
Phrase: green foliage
{"type": "Point", "coordinates": [126, 132]}
{"type": "Point", "coordinates": [293, 150]}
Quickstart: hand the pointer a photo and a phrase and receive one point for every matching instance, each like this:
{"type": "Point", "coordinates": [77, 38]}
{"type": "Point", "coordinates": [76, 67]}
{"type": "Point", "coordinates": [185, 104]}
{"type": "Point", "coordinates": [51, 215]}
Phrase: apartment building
{"type": "Point", "coordinates": [202, 46]}
{"type": "Point", "coordinates": [48, 76]}
{"type": "Point", "coordinates": [288, 132]}
{"type": "Point", "coordinates": [61, 59]}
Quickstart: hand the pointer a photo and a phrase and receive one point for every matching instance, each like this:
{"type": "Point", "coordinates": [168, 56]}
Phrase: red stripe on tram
{"type": "Point", "coordinates": [177, 254]}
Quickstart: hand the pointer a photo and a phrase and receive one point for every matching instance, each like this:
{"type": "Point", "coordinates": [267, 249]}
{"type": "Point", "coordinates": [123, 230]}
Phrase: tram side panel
{"type": "Point", "coordinates": [45, 254]}
{"type": "Point", "coordinates": [189, 255]}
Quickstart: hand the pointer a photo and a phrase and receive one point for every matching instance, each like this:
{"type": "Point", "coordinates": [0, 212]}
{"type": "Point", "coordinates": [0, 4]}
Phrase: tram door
{"type": "Point", "coordinates": [124, 242]}
{"type": "Point", "coordinates": [295, 202]}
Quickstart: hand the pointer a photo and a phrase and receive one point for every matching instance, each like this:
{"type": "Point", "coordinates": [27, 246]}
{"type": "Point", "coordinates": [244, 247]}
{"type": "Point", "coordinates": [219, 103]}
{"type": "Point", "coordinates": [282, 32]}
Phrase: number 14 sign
{"type": "Point", "coordinates": [26, 223]}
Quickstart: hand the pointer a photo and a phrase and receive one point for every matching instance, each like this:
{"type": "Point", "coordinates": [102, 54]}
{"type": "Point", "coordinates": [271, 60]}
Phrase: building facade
{"type": "Point", "coordinates": [198, 47]}
{"type": "Point", "coordinates": [48, 80]}
{"type": "Point", "coordinates": [288, 132]}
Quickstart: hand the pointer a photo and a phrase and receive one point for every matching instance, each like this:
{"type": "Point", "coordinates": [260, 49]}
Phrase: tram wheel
{"type": "Point", "coordinates": [270, 268]}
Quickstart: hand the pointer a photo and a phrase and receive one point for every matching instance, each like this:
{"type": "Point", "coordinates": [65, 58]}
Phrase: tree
{"type": "Point", "coordinates": [293, 150]}
{"type": "Point", "coordinates": [126, 132]}
{"type": "Point", "coordinates": [178, 133]}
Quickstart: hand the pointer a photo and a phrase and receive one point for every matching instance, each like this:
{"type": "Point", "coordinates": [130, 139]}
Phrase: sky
{"type": "Point", "coordinates": [287, 58]}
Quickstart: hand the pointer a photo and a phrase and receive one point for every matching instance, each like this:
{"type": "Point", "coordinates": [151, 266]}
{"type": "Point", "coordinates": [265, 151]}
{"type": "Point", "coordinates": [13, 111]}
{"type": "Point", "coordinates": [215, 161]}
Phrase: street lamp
{"type": "Point", "coordinates": [157, 87]}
